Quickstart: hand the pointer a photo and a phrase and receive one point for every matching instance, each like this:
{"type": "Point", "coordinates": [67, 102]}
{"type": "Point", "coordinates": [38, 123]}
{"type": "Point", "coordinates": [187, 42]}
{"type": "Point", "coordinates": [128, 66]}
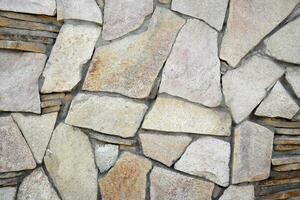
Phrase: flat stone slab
{"type": "Point", "coordinates": [192, 70]}
{"type": "Point", "coordinates": [133, 73]}
{"type": "Point", "coordinates": [167, 184]}
{"type": "Point", "coordinates": [287, 167]}
{"type": "Point", "coordinates": [19, 76]}
{"type": "Point", "coordinates": [110, 115]}
{"type": "Point", "coordinates": [243, 192]}
{"type": "Point", "coordinates": [287, 139]}
{"type": "Point", "coordinates": [70, 163]}
{"type": "Point", "coordinates": [212, 12]}
{"type": "Point", "coordinates": [207, 157]}
{"type": "Point", "coordinates": [283, 160]}
{"type": "Point", "coordinates": [8, 193]}
{"type": "Point", "coordinates": [293, 77]}
{"type": "Point", "coordinates": [175, 115]}
{"type": "Point", "coordinates": [287, 131]}
{"type": "Point", "coordinates": [123, 16]}
{"type": "Point", "coordinates": [251, 156]}
{"type": "Point", "coordinates": [74, 46]}
{"type": "Point", "coordinates": [246, 86]}
{"type": "Point", "coordinates": [106, 156]}
{"type": "Point", "coordinates": [248, 23]}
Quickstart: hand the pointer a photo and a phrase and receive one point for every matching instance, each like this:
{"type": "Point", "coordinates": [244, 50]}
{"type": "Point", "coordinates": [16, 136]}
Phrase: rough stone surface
{"type": "Point", "coordinates": [283, 160]}
{"type": "Point", "coordinates": [243, 192]}
{"type": "Point", "coordinates": [15, 155]}
{"type": "Point", "coordinates": [19, 80]}
{"type": "Point", "coordinates": [123, 16]}
{"type": "Point", "coordinates": [166, 184]}
{"type": "Point", "coordinates": [207, 157]}
{"type": "Point", "coordinates": [252, 152]}
{"type": "Point", "coordinates": [86, 10]}
{"type": "Point", "coordinates": [37, 186]}
{"type": "Point", "coordinates": [192, 70]}
{"type": "Point", "coordinates": [293, 77]}
{"type": "Point", "coordinates": [133, 72]}
{"type": "Point", "coordinates": [247, 85]}
{"type": "Point", "coordinates": [37, 130]}
{"type": "Point", "coordinates": [248, 22]}
{"type": "Point", "coordinates": [213, 12]}
{"type": "Point", "coordinates": [287, 131]}
{"type": "Point", "coordinates": [70, 163]}
{"type": "Point", "coordinates": [8, 193]}
{"type": "Point", "coordinates": [23, 46]}
{"type": "Point", "coordinates": [110, 115]}
{"type": "Point", "coordinates": [106, 156]}
{"type": "Point", "coordinates": [127, 179]}
{"type": "Point", "coordinates": [285, 44]}
{"type": "Point", "coordinates": [164, 148]}
{"type": "Point", "coordinates": [174, 115]}
{"type": "Point", "coordinates": [73, 48]}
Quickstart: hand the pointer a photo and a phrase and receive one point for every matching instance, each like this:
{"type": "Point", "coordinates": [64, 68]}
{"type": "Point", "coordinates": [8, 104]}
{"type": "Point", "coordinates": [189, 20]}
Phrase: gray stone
{"type": "Point", "coordinates": [19, 73]}
{"type": "Point", "coordinates": [287, 131]}
{"type": "Point", "coordinates": [85, 10]}
{"type": "Point", "coordinates": [133, 72]}
{"type": "Point", "coordinates": [110, 115]}
{"type": "Point", "coordinates": [167, 185]}
{"type": "Point", "coordinates": [37, 130]}
{"type": "Point", "coordinates": [246, 86]}
{"type": "Point", "coordinates": [207, 157]}
{"type": "Point", "coordinates": [192, 70]}
{"type": "Point", "coordinates": [293, 77]}
{"type": "Point", "coordinates": [100, 3]}
{"type": "Point", "coordinates": [106, 156]}
{"type": "Point", "coordinates": [213, 12]}
{"type": "Point", "coordinates": [243, 192]}
{"type": "Point", "coordinates": [37, 186]}
{"type": "Point", "coordinates": [278, 104]}
{"type": "Point", "coordinates": [283, 160]}
{"type": "Point", "coordinates": [164, 148]}
{"type": "Point", "coordinates": [175, 115]}
{"type": "Point", "coordinates": [8, 193]}
{"type": "Point", "coordinates": [70, 163]}
{"type": "Point", "coordinates": [74, 46]}
{"type": "Point", "coordinates": [248, 23]}
{"type": "Point", "coordinates": [123, 16]}
{"type": "Point", "coordinates": [252, 153]}
{"type": "Point", "coordinates": [15, 155]}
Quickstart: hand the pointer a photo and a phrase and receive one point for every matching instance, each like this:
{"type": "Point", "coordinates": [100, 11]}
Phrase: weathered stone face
{"type": "Point", "coordinates": [245, 192]}
{"type": "Point", "coordinates": [8, 193]}
{"type": "Point", "coordinates": [105, 156]}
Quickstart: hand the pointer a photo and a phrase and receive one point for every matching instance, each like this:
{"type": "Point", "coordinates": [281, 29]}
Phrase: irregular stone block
{"type": "Point", "coordinates": [283, 160]}
{"type": "Point", "coordinates": [106, 156]}
{"type": "Point", "coordinates": [23, 46]}
{"type": "Point", "coordinates": [293, 77]}
{"type": "Point", "coordinates": [8, 193]}
{"type": "Point", "coordinates": [244, 192]}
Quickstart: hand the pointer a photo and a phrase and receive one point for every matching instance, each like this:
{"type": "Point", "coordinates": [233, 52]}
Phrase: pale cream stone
{"type": "Point", "coordinates": [242, 192]}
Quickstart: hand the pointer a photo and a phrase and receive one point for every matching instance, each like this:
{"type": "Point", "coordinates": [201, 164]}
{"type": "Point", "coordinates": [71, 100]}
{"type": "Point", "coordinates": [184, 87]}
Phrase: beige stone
{"type": "Point", "coordinates": [112, 139]}
{"type": "Point", "coordinates": [293, 77]}
{"type": "Point", "coordinates": [287, 140]}
{"type": "Point", "coordinates": [283, 160]}
{"type": "Point", "coordinates": [287, 131]}
{"type": "Point", "coordinates": [243, 192]}
{"type": "Point", "coordinates": [23, 46]}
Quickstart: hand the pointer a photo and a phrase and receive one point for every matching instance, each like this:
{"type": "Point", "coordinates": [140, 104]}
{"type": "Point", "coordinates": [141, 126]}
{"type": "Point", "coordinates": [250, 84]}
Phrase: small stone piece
{"type": "Point", "coordinates": [15, 155]}
{"type": "Point", "coordinates": [246, 86]}
{"type": "Point", "coordinates": [106, 155]}
{"type": "Point", "coordinates": [23, 46]}
{"type": "Point", "coordinates": [70, 163]}
{"type": "Point", "coordinates": [140, 58]}
{"type": "Point", "coordinates": [287, 131]}
{"type": "Point", "coordinates": [244, 192]}
{"type": "Point", "coordinates": [213, 12]}
{"type": "Point", "coordinates": [50, 103]}
{"type": "Point", "coordinates": [207, 157]}
{"type": "Point", "coordinates": [8, 193]}
{"type": "Point", "coordinates": [293, 77]}
{"type": "Point", "coordinates": [283, 160]}
{"type": "Point", "coordinates": [287, 194]}
{"type": "Point", "coordinates": [85, 10]}
{"type": "Point", "coordinates": [123, 16]}
{"type": "Point", "coordinates": [50, 109]}
{"type": "Point", "coordinates": [280, 123]}
{"type": "Point", "coordinates": [46, 97]}
{"type": "Point", "coordinates": [74, 46]}
{"type": "Point", "coordinates": [286, 147]}
{"type": "Point", "coordinates": [287, 140]}
{"type": "Point", "coordinates": [165, 1]}
{"type": "Point", "coordinates": [127, 179]}
{"type": "Point", "coordinates": [110, 115]}
{"type": "Point", "coordinates": [19, 74]}
{"type": "Point", "coordinates": [278, 104]}
{"type": "Point", "coordinates": [166, 184]}
{"type": "Point", "coordinates": [192, 70]}
{"type": "Point", "coordinates": [252, 153]}
{"type": "Point", "coordinates": [37, 186]}
{"type": "Point", "coordinates": [112, 139]}
{"type": "Point", "coordinates": [288, 167]}
{"type": "Point", "coordinates": [174, 115]}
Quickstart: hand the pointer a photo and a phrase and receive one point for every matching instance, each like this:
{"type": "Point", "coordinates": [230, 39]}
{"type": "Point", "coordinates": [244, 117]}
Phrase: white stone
{"type": "Point", "coordinates": [293, 77]}
{"type": "Point", "coordinates": [8, 193]}
{"type": "Point", "coordinates": [106, 156]}
{"type": "Point", "coordinates": [243, 192]}
{"type": "Point", "coordinates": [192, 70]}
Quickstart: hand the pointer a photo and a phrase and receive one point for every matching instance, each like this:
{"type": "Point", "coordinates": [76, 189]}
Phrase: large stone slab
{"type": "Point", "coordinates": [278, 104]}
{"type": "Point", "coordinates": [70, 163]}
{"type": "Point", "coordinates": [74, 46]}
{"type": "Point", "coordinates": [175, 115]}
{"type": "Point", "coordinates": [8, 193]}
{"type": "Point", "coordinates": [140, 58]}
{"type": "Point", "coordinates": [127, 179]}
{"type": "Point", "coordinates": [248, 23]}
{"type": "Point", "coordinates": [166, 184]}
{"type": "Point", "coordinates": [252, 153]}
{"type": "Point", "coordinates": [37, 186]}
{"type": "Point", "coordinates": [85, 10]}
{"type": "Point", "coordinates": [293, 77]}
{"type": "Point", "coordinates": [192, 70]}
{"type": "Point", "coordinates": [106, 156]}
{"type": "Point", "coordinates": [207, 157]}
{"type": "Point", "coordinates": [37, 131]}
{"type": "Point", "coordinates": [15, 155]}
{"type": "Point", "coordinates": [123, 16]}
{"type": "Point", "coordinates": [110, 115]}
{"type": "Point", "coordinates": [243, 192]}
{"type": "Point", "coordinates": [212, 12]}
{"type": "Point", "coordinates": [19, 74]}
{"type": "Point", "coordinates": [246, 86]}
{"type": "Point", "coordinates": [285, 44]}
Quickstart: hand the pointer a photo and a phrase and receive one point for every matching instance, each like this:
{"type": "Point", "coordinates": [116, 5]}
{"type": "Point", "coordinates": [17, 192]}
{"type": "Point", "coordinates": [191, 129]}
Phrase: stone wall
{"type": "Point", "coordinates": [161, 100]}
